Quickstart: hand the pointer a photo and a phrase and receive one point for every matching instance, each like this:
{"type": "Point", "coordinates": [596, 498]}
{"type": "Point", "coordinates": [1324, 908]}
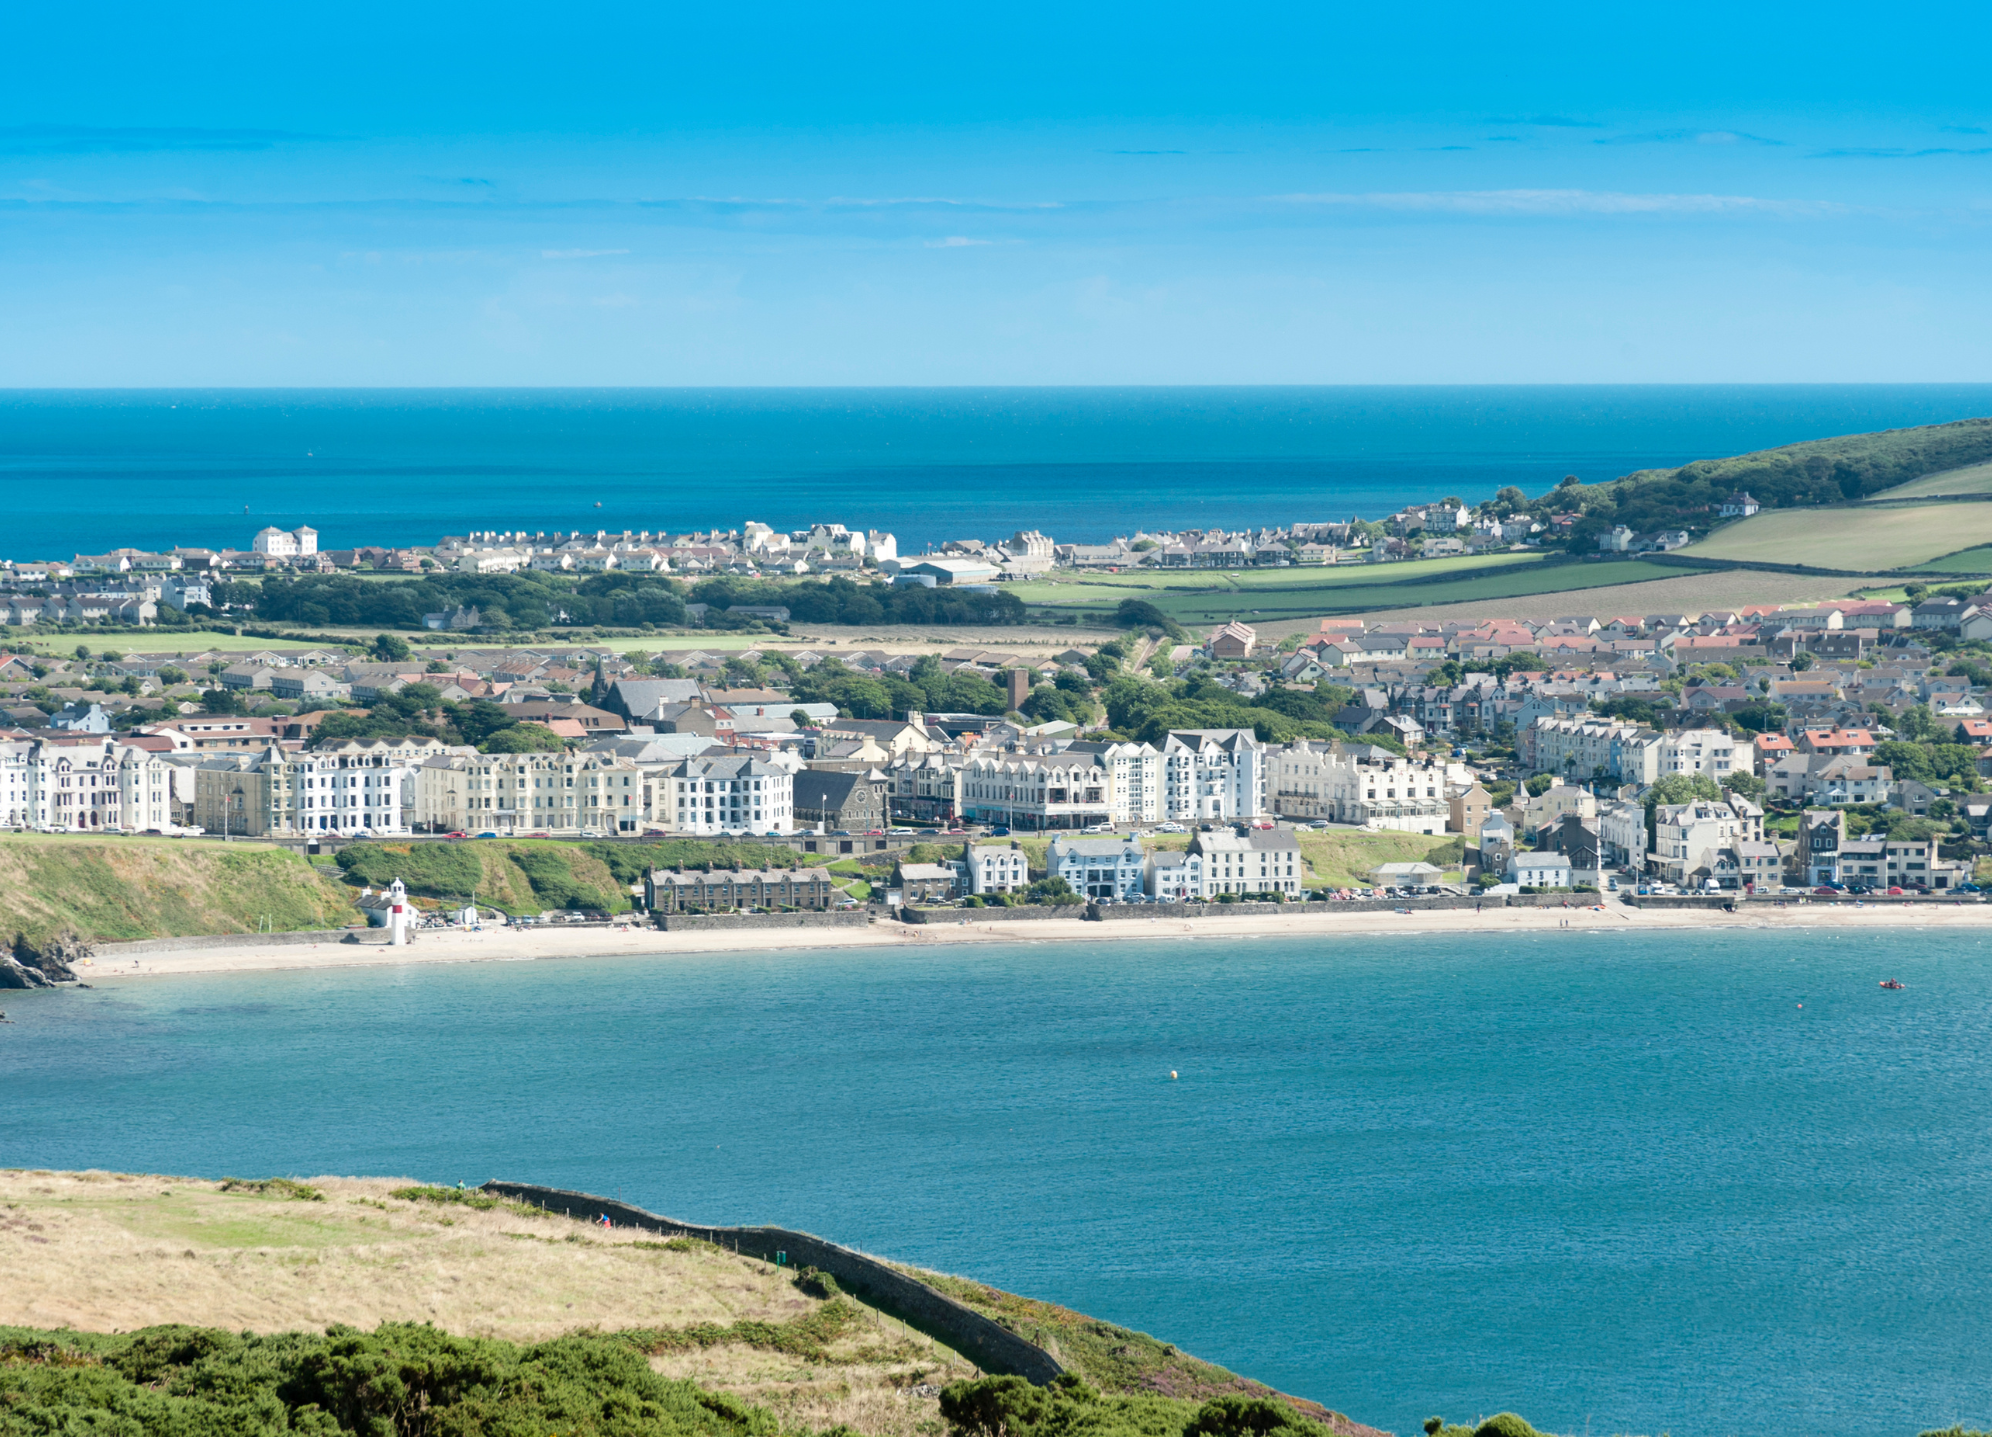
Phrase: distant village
{"type": "Point", "coordinates": [1540, 746]}
{"type": "Point", "coordinates": [127, 586]}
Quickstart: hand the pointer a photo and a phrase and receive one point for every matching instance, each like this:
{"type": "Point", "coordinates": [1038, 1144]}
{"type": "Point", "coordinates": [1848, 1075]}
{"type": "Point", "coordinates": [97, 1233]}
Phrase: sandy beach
{"type": "Point", "coordinates": [500, 945]}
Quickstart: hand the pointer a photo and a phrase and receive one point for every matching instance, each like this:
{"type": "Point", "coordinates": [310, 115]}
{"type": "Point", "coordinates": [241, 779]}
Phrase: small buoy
{"type": "Point", "coordinates": [598, 503]}
{"type": "Point", "coordinates": [1172, 1075]}
{"type": "Point", "coordinates": [1801, 1005]}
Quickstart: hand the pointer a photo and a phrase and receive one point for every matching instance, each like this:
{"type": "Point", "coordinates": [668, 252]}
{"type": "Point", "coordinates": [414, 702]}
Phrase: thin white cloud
{"type": "Point", "coordinates": [956, 242]}
{"type": "Point", "coordinates": [1560, 202]}
{"type": "Point", "coordinates": [579, 253]}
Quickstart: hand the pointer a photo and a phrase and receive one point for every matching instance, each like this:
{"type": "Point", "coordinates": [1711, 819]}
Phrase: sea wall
{"type": "Point", "coordinates": [1028, 913]}
{"type": "Point", "coordinates": [113, 951]}
{"type": "Point", "coordinates": [1151, 912]}
{"type": "Point", "coordinates": [729, 922]}
{"type": "Point", "coordinates": [988, 1344]}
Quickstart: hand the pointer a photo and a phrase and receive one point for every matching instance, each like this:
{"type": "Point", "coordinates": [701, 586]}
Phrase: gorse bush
{"type": "Point", "coordinates": [401, 1380]}
{"type": "Point", "coordinates": [273, 1187]}
{"type": "Point", "coordinates": [817, 1283]}
{"type": "Point", "coordinates": [1068, 1407]}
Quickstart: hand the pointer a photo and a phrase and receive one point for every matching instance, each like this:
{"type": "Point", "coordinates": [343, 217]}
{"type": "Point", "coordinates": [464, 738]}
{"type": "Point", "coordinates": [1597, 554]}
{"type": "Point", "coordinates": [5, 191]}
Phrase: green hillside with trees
{"type": "Point", "coordinates": [1818, 471]}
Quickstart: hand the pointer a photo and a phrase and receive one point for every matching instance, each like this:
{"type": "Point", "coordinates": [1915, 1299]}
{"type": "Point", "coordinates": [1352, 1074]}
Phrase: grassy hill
{"type": "Point", "coordinates": [1856, 537]}
{"type": "Point", "coordinates": [1972, 479]}
{"type": "Point", "coordinates": [158, 888]}
{"type": "Point", "coordinates": [1796, 476]}
{"type": "Point", "coordinates": [1847, 466]}
{"type": "Point", "coordinates": [524, 875]}
{"type": "Point", "coordinates": [180, 1302]}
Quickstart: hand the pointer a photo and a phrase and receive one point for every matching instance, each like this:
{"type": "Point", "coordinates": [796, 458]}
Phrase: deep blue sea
{"type": "Point", "coordinates": [81, 471]}
{"type": "Point", "coordinates": [1620, 1184]}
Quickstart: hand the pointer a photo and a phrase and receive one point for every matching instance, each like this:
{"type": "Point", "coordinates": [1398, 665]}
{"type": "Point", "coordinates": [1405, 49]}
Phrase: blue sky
{"type": "Point", "coordinates": [1024, 194]}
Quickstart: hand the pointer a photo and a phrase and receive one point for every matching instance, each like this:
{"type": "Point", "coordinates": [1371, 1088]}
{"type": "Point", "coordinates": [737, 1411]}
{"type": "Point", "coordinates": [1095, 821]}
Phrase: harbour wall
{"type": "Point", "coordinates": [985, 1342]}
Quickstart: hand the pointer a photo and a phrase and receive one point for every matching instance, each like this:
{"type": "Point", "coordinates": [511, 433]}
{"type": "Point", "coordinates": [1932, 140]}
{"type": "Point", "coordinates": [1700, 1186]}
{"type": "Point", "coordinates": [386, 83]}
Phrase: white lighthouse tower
{"type": "Point", "coordinates": [400, 914]}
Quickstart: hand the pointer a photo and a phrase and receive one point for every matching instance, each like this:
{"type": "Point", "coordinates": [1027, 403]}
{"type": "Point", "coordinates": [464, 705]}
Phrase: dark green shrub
{"type": "Point", "coordinates": [817, 1283]}
{"type": "Point", "coordinates": [273, 1187]}
{"type": "Point", "coordinates": [401, 1380]}
{"type": "Point", "coordinates": [1247, 1417]}
{"type": "Point", "coordinates": [1505, 1424]}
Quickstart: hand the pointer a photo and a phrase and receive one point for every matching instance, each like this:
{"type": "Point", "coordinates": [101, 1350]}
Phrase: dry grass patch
{"type": "Point", "coordinates": [108, 1252]}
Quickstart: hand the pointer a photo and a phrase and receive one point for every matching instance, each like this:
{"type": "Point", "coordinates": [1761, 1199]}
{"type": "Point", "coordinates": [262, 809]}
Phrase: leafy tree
{"type": "Point", "coordinates": [169, 675]}
{"type": "Point", "coordinates": [390, 648]}
{"type": "Point", "coordinates": [223, 701]}
{"type": "Point", "coordinates": [1761, 717]}
{"type": "Point", "coordinates": [1744, 783]}
{"type": "Point", "coordinates": [1952, 765]}
{"type": "Point", "coordinates": [1141, 614]}
{"type": "Point", "coordinates": [524, 738]}
{"type": "Point", "coordinates": [1053, 890]}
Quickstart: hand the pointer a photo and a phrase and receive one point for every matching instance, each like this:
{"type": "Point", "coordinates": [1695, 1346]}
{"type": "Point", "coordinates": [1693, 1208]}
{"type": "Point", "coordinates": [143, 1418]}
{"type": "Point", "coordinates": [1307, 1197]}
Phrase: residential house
{"type": "Point", "coordinates": [998, 868]}
{"type": "Point", "coordinates": [731, 794]}
{"type": "Point", "coordinates": [1233, 641]}
{"type": "Point", "coordinates": [1101, 869]}
{"type": "Point", "coordinates": [1540, 870]}
{"type": "Point", "coordinates": [926, 882]}
{"type": "Point", "coordinates": [1257, 861]}
{"type": "Point", "coordinates": [727, 889]}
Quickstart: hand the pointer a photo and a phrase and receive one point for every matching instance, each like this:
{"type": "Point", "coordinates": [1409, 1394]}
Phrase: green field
{"type": "Point", "coordinates": [1864, 538]}
{"type": "Point", "coordinates": [1303, 593]}
{"type": "Point", "coordinates": [1975, 479]}
{"type": "Point", "coordinates": [1965, 561]}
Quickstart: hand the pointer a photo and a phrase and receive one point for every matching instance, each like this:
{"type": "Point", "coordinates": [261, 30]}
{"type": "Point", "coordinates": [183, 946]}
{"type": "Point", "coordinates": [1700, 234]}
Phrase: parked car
{"type": "Point", "coordinates": [1826, 890]}
{"type": "Point", "coordinates": [999, 833]}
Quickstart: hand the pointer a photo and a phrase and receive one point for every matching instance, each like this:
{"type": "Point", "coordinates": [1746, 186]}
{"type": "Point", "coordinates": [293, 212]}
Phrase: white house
{"type": "Point", "coordinates": [1099, 868]}
{"type": "Point", "coordinates": [278, 543]}
{"type": "Point", "coordinates": [1258, 861]}
{"type": "Point", "coordinates": [997, 868]}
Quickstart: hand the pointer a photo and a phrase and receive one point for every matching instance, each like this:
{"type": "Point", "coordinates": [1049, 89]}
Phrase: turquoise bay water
{"type": "Point", "coordinates": [210, 467]}
{"type": "Point", "coordinates": [1617, 1183]}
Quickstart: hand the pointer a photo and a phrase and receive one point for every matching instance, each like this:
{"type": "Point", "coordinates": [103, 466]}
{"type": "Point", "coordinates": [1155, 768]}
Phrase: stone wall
{"type": "Point", "coordinates": [986, 1343]}
{"type": "Point", "coordinates": [1716, 901]}
{"type": "Point", "coordinates": [727, 922]}
{"type": "Point", "coordinates": [1029, 913]}
{"type": "Point", "coordinates": [113, 951]}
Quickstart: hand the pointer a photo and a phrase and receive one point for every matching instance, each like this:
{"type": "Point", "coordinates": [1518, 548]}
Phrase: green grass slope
{"type": "Point", "coordinates": [1208, 597]}
{"type": "Point", "coordinates": [1861, 538]}
{"type": "Point", "coordinates": [531, 875]}
{"type": "Point", "coordinates": [128, 888]}
{"type": "Point", "coordinates": [1973, 479]}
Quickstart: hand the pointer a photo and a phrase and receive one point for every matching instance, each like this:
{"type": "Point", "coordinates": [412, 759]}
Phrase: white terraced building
{"type": "Point", "coordinates": [1261, 861]}
{"type": "Point", "coordinates": [86, 784]}
{"type": "Point", "coordinates": [1360, 784]}
{"type": "Point", "coordinates": [1036, 791]}
{"type": "Point", "coordinates": [511, 793]}
{"type": "Point", "coordinates": [1213, 774]}
{"type": "Point", "coordinates": [1135, 789]}
{"type": "Point", "coordinates": [728, 795]}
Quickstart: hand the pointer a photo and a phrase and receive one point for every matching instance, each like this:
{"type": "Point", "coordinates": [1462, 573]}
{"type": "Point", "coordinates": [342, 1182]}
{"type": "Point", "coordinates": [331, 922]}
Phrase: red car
{"type": "Point", "coordinates": [456, 835]}
{"type": "Point", "coordinates": [1894, 893]}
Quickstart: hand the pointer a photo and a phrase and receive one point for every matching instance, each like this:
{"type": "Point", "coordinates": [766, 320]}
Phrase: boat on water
{"type": "Point", "coordinates": [1890, 983]}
